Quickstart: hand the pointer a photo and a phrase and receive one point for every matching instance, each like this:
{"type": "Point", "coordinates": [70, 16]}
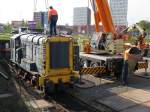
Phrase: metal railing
{"type": "Point", "coordinates": [4, 76]}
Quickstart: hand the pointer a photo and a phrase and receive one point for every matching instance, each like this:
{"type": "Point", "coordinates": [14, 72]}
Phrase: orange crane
{"type": "Point", "coordinates": [102, 15]}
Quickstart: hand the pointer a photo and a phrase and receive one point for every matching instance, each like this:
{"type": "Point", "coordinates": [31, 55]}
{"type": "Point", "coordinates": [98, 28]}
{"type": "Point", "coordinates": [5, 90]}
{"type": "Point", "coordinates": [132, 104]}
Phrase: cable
{"type": "Point", "coordinates": [46, 4]}
{"type": "Point", "coordinates": [35, 5]}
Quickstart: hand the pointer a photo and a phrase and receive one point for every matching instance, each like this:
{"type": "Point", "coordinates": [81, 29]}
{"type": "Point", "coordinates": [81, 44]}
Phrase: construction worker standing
{"type": "Point", "coordinates": [52, 20]}
{"type": "Point", "coordinates": [132, 55]}
{"type": "Point", "coordinates": [125, 65]}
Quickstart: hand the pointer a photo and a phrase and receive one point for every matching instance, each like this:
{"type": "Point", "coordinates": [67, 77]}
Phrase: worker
{"type": "Point", "coordinates": [52, 20]}
{"type": "Point", "coordinates": [125, 65]}
{"type": "Point", "coordinates": [132, 55]}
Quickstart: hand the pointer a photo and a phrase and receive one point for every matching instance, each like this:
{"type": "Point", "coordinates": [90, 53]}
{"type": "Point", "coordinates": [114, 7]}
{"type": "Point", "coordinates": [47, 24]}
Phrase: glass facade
{"type": "Point", "coordinates": [81, 16]}
{"type": "Point", "coordinates": [119, 11]}
{"type": "Point", "coordinates": [41, 17]}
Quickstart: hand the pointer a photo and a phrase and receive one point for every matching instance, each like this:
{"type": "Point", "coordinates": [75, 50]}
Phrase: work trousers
{"type": "Point", "coordinates": [125, 73]}
{"type": "Point", "coordinates": [53, 23]}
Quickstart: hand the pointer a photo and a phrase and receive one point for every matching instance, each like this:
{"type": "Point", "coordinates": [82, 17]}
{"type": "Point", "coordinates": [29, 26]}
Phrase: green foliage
{"type": "Point", "coordinates": [24, 23]}
{"type": "Point", "coordinates": [39, 25]}
{"type": "Point", "coordinates": [145, 24]}
{"type": "Point", "coordinates": [7, 28]}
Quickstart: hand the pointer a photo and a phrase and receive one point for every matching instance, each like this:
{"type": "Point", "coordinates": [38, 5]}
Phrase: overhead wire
{"type": "Point", "coordinates": [35, 5]}
{"type": "Point", "coordinates": [46, 4]}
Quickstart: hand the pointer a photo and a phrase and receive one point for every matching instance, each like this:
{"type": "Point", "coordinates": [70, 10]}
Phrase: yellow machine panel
{"type": "Point", "coordinates": [59, 59]}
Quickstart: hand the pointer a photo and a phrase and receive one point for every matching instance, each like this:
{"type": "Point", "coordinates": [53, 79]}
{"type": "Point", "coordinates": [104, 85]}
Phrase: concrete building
{"type": "Point", "coordinates": [38, 18]}
{"type": "Point", "coordinates": [16, 24]}
{"type": "Point", "coordinates": [41, 18]}
{"type": "Point", "coordinates": [81, 16]}
{"type": "Point", "coordinates": [31, 24]}
{"type": "Point", "coordinates": [45, 23]}
{"type": "Point", "coordinates": [119, 11]}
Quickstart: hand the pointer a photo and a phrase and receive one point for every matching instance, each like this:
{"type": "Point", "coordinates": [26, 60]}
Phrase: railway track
{"type": "Point", "coordinates": [29, 95]}
{"type": "Point", "coordinates": [62, 101]}
{"type": "Point", "coordinates": [72, 103]}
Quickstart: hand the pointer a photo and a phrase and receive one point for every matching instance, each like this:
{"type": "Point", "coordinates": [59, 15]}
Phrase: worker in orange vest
{"type": "Point", "coordinates": [125, 65]}
{"type": "Point", "coordinates": [52, 20]}
{"type": "Point", "coordinates": [131, 54]}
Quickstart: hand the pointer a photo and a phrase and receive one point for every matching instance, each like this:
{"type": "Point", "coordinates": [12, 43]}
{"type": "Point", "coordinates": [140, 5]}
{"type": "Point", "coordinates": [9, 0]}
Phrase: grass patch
{"type": "Point", "coordinates": [5, 36]}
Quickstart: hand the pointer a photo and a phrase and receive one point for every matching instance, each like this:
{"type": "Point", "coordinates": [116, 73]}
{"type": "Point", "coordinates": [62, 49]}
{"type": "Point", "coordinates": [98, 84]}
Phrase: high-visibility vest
{"type": "Point", "coordinates": [126, 54]}
{"type": "Point", "coordinates": [52, 12]}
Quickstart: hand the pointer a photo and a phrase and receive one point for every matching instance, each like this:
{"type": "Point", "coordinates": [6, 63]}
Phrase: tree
{"type": "Point", "coordinates": [24, 23]}
{"type": "Point", "coordinates": [7, 28]}
{"type": "Point", "coordinates": [145, 25]}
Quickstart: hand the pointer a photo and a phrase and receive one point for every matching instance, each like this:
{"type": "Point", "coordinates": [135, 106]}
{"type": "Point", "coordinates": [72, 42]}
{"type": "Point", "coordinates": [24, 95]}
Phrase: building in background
{"type": "Point", "coordinates": [82, 18]}
{"type": "Point", "coordinates": [45, 22]}
{"type": "Point", "coordinates": [31, 24]}
{"type": "Point", "coordinates": [41, 19]}
{"type": "Point", "coordinates": [38, 18]}
{"type": "Point", "coordinates": [21, 26]}
{"type": "Point", "coordinates": [119, 13]}
{"type": "Point", "coordinates": [16, 24]}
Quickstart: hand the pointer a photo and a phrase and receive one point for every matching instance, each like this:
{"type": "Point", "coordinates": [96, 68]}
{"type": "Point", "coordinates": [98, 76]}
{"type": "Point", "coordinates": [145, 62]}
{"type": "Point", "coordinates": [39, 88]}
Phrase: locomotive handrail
{"type": "Point", "coordinates": [4, 76]}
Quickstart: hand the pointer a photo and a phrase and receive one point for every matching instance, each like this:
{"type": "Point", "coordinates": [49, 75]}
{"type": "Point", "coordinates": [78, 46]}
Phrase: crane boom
{"type": "Point", "coordinates": [102, 15]}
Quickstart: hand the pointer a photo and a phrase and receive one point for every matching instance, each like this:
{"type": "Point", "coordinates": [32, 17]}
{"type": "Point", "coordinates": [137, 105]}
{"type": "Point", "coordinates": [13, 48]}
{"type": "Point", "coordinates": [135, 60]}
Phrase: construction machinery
{"type": "Point", "coordinates": [105, 47]}
{"type": "Point", "coordinates": [139, 37]}
{"type": "Point", "coordinates": [105, 41]}
{"type": "Point", "coordinates": [108, 40]}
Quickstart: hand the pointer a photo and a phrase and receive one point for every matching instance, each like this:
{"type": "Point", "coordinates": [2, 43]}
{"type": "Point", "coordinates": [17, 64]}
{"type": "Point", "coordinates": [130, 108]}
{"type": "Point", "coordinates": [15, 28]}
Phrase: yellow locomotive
{"type": "Point", "coordinates": [41, 58]}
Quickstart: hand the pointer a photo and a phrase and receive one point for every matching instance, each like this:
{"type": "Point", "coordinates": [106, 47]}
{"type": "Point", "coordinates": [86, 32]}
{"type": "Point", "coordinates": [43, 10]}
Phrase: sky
{"type": "Point", "coordinates": [23, 9]}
